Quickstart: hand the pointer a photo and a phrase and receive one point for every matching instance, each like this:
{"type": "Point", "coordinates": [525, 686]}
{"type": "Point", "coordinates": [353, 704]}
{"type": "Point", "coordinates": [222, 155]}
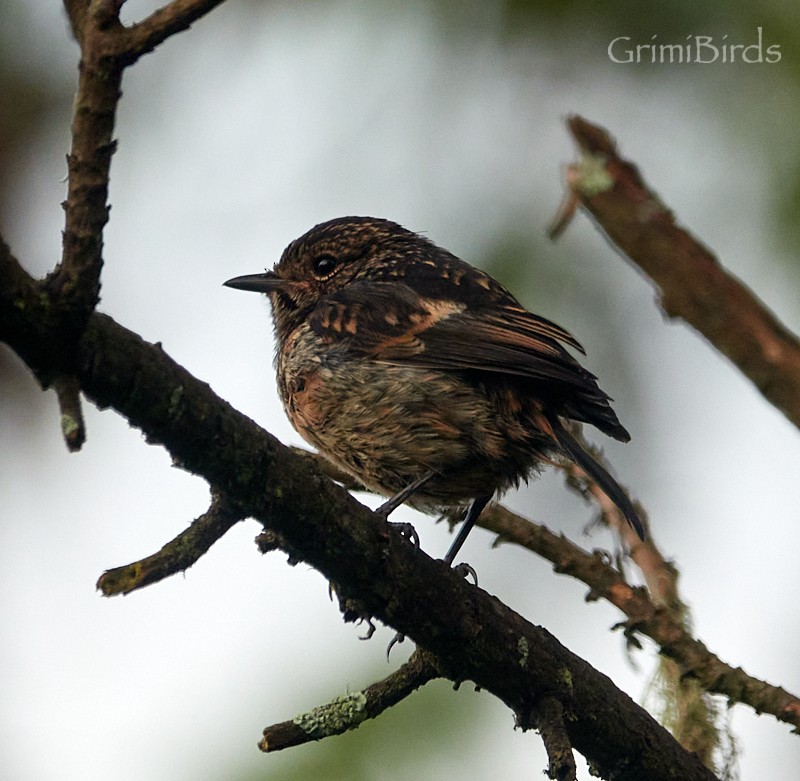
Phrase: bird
{"type": "Point", "coordinates": [423, 377]}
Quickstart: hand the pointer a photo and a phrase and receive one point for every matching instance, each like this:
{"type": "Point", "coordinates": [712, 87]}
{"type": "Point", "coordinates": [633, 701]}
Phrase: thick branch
{"type": "Point", "coordinates": [473, 635]}
{"type": "Point", "coordinates": [693, 285]}
{"type": "Point", "coordinates": [654, 615]}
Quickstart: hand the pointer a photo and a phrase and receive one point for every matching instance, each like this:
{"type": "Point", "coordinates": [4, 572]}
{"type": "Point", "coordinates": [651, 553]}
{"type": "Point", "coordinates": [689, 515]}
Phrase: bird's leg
{"type": "Point", "coordinates": [474, 509]}
{"type": "Point", "coordinates": [391, 504]}
{"type": "Point", "coordinates": [406, 529]}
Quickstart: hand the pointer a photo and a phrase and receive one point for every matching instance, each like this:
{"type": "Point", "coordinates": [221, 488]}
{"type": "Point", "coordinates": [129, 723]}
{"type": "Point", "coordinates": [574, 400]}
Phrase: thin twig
{"type": "Point", "coordinates": [550, 723]}
{"type": "Point", "coordinates": [174, 17]}
{"type": "Point", "coordinates": [177, 555]}
{"type": "Point", "coordinates": [73, 427]}
{"type": "Point", "coordinates": [348, 711]}
{"type": "Point", "coordinates": [74, 285]}
{"type": "Point", "coordinates": [76, 281]}
{"type": "Point", "coordinates": [643, 616]}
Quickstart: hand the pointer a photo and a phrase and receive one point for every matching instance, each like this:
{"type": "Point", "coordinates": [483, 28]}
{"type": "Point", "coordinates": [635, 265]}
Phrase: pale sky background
{"type": "Point", "coordinates": [236, 137]}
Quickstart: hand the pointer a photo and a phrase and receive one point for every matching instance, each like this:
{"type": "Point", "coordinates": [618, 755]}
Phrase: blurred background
{"type": "Point", "coordinates": [236, 137]}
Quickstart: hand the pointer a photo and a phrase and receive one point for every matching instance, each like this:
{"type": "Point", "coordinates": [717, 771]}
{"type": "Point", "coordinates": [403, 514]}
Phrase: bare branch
{"type": "Point", "coordinates": [76, 281]}
{"type": "Point", "coordinates": [177, 555]}
{"type": "Point", "coordinates": [661, 576]}
{"type": "Point", "coordinates": [473, 635]}
{"type": "Point", "coordinates": [348, 711]}
{"type": "Point", "coordinates": [694, 287]}
{"type": "Point", "coordinates": [73, 427]}
{"type": "Point", "coordinates": [656, 615]}
{"type": "Point", "coordinates": [692, 283]}
{"type": "Point", "coordinates": [76, 11]}
{"type": "Point", "coordinates": [550, 723]}
{"type": "Point", "coordinates": [106, 49]}
{"type": "Point", "coordinates": [656, 622]}
{"type": "Point", "coordinates": [175, 17]}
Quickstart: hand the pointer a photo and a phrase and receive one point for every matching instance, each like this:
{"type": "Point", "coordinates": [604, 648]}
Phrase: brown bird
{"type": "Point", "coordinates": [420, 375]}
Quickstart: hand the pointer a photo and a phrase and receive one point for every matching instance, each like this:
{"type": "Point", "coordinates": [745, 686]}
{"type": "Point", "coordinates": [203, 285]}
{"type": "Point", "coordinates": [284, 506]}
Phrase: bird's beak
{"type": "Point", "coordinates": [258, 283]}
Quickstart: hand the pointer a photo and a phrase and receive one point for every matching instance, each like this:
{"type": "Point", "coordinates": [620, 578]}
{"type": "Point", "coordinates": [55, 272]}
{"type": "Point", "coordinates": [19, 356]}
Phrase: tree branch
{"type": "Point", "coordinates": [376, 571]}
{"type": "Point", "coordinates": [550, 723]}
{"type": "Point", "coordinates": [694, 287]}
{"type": "Point", "coordinates": [106, 49]}
{"type": "Point", "coordinates": [76, 11]}
{"type": "Point", "coordinates": [73, 427]}
{"type": "Point", "coordinates": [347, 712]}
{"type": "Point", "coordinates": [655, 614]}
{"type": "Point", "coordinates": [177, 555]}
{"type": "Point", "coordinates": [656, 622]}
{"type": "Point", "coordinates": [692, 284]}
{"type": "Point", "coordinates": [175, 17]}
{"type": "Point", "coordinates": [75, 283]}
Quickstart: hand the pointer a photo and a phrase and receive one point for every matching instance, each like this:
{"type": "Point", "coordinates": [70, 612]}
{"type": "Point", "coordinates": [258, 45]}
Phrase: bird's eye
{"type": "Point", "coordinates": [324, 265]}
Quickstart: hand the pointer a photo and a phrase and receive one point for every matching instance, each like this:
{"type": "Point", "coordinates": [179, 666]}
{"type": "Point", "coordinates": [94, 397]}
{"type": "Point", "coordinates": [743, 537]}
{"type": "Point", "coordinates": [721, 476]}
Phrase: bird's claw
{"type": "Point", "coordinates": [407, 531]}
{"type": "Point", "coordinates": [466, 570]}
{"type": "Point", "coordinates": [396, 640]}
{"type": "Point", "coordinates": [371, 628]}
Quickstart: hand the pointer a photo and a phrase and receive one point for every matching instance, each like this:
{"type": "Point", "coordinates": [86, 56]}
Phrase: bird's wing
{"type": "Point", "coordinates": [390, 322]}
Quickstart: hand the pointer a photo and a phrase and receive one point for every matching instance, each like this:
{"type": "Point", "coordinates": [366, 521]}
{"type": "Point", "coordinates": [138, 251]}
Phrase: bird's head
{"type": "Point", "coordinates": [329, 257]}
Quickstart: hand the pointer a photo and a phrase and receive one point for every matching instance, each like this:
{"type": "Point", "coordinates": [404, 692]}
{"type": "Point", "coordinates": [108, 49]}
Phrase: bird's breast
{"type": "Point", "coordinates": [388, 424]}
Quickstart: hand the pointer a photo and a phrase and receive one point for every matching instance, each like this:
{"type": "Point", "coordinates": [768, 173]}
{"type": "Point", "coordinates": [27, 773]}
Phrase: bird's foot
{"type": "Point", "coordinates": [466, 570]}
{"type": "Point", "coordinates": [370, 627]}
{"type": "Point", "coordinates": [396, 640]}
{"type": "Point", "coordinates": [407, 531]}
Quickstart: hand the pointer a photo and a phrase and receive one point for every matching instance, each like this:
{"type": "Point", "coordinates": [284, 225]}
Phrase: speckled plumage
{"type": "Point", "coordinates": [397, 359]}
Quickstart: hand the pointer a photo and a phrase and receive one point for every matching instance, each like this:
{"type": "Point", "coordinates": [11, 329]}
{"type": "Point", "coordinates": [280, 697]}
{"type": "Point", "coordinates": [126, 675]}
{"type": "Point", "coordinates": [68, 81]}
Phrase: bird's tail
{"type": "Point", "coordinates": [609, 485]}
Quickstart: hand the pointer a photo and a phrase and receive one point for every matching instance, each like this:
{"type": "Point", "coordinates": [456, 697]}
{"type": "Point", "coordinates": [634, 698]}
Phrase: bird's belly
{"type": "Point", "coordinates": [388, 425]}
